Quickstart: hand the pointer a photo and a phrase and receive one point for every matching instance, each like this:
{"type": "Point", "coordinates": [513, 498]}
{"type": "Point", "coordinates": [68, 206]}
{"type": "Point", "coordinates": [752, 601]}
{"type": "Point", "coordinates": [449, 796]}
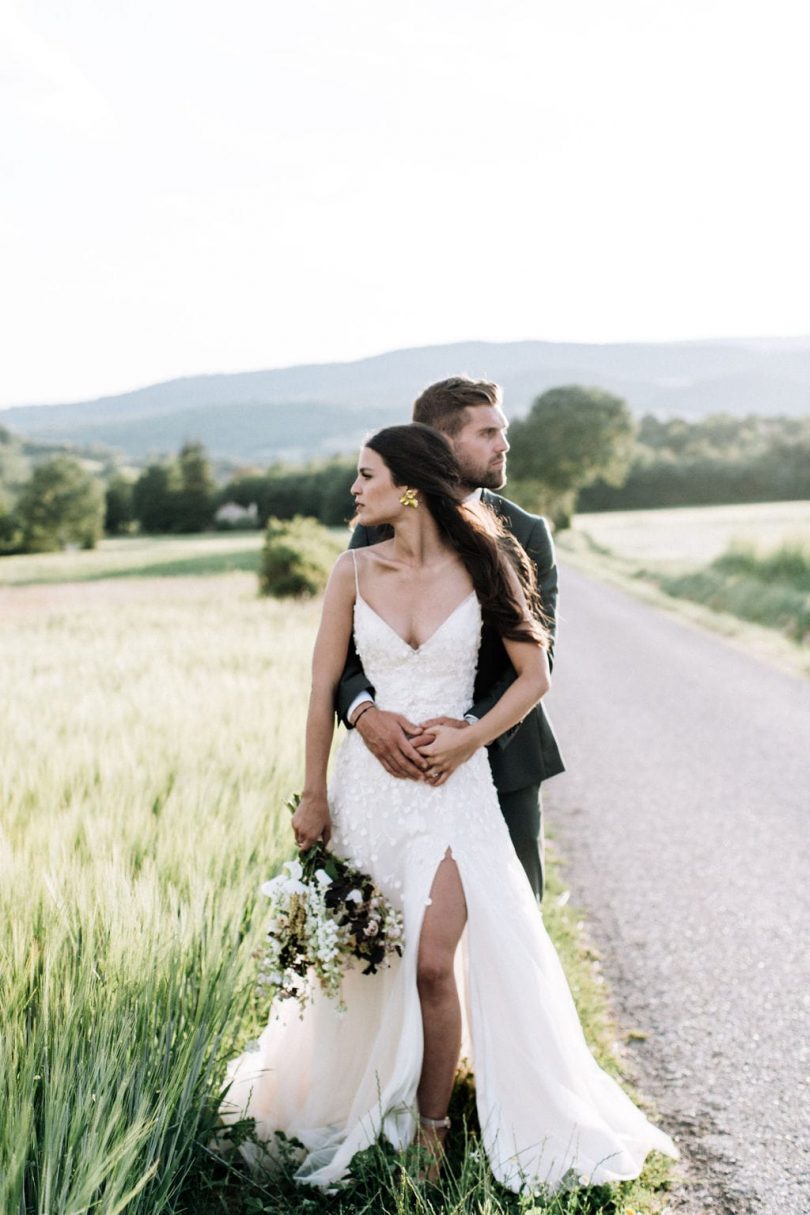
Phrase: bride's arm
{"type": "Point", "coordinates": [530, 660]}
{"type": "Point", "coordinates": [311, 820]}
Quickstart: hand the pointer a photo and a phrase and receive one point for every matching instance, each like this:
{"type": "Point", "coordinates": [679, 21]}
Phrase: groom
{"type": "Point", "coordinates": [469, 414]}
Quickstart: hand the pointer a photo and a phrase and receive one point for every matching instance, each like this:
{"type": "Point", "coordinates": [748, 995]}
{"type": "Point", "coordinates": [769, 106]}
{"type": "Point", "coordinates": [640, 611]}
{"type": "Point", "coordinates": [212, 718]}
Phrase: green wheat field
{"type": "Point", "coordinates": [151, 729]}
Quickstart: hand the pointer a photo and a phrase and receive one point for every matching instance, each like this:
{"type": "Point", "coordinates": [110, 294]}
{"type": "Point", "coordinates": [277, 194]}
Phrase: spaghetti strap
{"type": "Point", "coordinates": [356, 581]}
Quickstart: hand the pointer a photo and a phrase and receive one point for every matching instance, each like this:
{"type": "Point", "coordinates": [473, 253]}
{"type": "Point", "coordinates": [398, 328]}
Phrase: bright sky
{"type": "Point", "coordinates": [192, 185]}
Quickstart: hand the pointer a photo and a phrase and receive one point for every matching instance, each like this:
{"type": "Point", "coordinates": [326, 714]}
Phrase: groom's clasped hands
{"type": "Point", "coordinates": [427, 751]}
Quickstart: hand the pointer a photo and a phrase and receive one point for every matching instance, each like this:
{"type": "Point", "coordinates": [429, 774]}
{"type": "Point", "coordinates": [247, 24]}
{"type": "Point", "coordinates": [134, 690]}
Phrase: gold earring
{"type": "Point", "coordinates": [409, 498]}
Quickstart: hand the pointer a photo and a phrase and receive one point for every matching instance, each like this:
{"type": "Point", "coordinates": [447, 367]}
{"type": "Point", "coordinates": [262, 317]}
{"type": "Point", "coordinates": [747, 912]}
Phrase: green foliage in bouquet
{"type": "Point", "coordinates": [324, 917]}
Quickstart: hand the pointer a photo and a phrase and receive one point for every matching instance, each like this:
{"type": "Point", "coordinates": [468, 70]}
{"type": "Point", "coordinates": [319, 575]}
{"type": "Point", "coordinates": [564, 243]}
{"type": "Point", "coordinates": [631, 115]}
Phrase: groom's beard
{"type": "Point", "coordinates": [495, 479]}
{"type": "Point", "coordinates": [488, 477]}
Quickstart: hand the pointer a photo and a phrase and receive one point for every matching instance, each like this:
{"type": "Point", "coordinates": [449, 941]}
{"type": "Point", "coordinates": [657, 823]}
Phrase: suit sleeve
{"type": "Point", "coordinates": [353, 681]}
{"type": "Point", "coordinates": [540, 548]}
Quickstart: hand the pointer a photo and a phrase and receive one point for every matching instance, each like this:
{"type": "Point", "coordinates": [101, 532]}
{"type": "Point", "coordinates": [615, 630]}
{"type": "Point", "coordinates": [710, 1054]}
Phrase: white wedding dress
{"type": "Point", "coordinates": [548, 1113]}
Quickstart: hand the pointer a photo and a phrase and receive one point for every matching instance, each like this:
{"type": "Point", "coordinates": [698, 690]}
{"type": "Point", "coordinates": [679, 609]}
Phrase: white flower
{"type": "Point", "coordinates": [285, 883]}
{"type": "Point", "coordinates": [301, 921]}
{"type": "Point", "coordinates": [274, 887]}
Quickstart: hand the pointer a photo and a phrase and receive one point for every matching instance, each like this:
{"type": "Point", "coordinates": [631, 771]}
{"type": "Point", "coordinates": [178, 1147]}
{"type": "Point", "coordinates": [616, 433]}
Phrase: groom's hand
{"type": "Point", "coordinates": [388, 738]}
{"type": "Point", "coordinates": [458, 723]}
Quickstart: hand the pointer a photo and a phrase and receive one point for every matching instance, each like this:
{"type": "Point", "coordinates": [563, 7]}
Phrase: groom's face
{"type": "Point", "coordinates": [481, 447]}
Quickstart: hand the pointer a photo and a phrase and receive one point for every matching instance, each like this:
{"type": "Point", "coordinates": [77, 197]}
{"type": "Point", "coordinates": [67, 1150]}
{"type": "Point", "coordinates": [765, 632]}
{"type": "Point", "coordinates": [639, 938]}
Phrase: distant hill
{"type": "Point", "coordinates": [297, 412]}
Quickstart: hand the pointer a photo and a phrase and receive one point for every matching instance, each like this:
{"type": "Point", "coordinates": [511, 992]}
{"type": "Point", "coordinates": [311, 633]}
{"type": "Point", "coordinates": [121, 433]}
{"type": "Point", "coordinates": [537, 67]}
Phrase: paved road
{"type": "Point", "coordinates": [685, 817]}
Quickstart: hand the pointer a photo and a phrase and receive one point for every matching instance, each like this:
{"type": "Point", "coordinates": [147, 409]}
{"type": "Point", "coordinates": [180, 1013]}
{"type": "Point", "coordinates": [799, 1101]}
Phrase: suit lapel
{"type": "Point", "coordinates": [494, 501]}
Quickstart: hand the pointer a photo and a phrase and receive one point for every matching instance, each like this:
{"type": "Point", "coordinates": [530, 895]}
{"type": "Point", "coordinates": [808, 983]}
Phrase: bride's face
{"type": "Point", "coordinates": [376, 498]}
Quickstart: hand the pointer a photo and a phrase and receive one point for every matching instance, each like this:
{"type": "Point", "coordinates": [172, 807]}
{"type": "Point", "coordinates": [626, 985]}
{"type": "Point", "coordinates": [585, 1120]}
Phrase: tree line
{"type": "Point", "coordinates": [717, 460]}
{"type": "Point", "coordinates": [577, 449]}
{"type": "Point", "coordinates": [64, 503]}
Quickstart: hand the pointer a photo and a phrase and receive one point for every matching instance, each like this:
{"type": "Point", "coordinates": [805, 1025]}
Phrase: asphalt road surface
{"type": "Point", "coordinates": [684, 819]}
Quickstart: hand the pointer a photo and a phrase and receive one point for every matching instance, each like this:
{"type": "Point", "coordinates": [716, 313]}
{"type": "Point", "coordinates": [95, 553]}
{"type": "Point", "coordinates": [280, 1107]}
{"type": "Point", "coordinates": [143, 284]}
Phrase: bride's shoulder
{"type": "Point", "coordinates": [373, 554]}
{"type": "Point", "coordinates": [351, 564]}
{"type": "Point", "coordinates": [342, 578]}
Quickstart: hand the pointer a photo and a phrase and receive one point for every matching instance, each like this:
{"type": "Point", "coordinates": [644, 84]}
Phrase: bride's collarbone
{"type": "Point", "coordinates": [414, 600]}
{"type": "Point", "coordinates": [413, 613]}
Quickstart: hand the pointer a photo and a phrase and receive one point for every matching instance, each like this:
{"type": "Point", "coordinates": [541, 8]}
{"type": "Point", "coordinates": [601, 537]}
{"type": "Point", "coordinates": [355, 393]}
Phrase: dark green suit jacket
{"type": "Point", "coordinates": [527, 754]}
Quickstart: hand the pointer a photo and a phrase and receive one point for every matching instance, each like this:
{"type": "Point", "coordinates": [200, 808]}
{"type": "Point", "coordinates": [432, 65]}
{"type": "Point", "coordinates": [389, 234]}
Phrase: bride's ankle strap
{"type": "Point", "coordinates": [434, 1124]}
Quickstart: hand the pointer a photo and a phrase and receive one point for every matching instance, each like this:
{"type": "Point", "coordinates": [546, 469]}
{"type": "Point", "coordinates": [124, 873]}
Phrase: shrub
{"type": "Point", "coordinates": [297, 557]}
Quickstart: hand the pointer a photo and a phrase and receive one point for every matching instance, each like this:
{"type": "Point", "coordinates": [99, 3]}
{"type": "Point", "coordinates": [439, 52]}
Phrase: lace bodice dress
{"type": "Point", "coordinates": [337, 1082]}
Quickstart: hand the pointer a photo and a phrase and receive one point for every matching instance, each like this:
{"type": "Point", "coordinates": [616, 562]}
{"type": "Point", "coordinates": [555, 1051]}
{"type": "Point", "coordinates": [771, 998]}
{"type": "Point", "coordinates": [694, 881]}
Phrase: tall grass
{"type": "Point", "coordinates": [788, 564]}
{"type": "Point", "coordinates": [145, 753]}
{"type": "Point", "coordinates": [146, 750]}
{"type": "Point", "coordinates": [770, 588]}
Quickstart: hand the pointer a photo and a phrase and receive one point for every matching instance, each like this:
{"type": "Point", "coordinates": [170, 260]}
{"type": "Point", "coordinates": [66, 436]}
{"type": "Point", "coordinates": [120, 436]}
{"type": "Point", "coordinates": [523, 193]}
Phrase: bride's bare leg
{"type": "Point", "coordinates": [442, 927]}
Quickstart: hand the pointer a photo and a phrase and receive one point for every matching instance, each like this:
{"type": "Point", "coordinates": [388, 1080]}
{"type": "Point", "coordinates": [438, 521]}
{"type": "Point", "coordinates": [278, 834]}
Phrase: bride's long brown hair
{"type": "Point", "coordinates": [422, 459]}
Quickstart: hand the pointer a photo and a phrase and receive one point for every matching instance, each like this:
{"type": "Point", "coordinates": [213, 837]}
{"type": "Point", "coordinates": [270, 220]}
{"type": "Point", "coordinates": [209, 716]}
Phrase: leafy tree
{"type": "Point", "coordinates": [14, 467]}
{"type": "Point", "coordinates": [195, 500]}
{"type": "Point", "coordinates": [572, 436]}
{"type": "Point", "coordinates": [337, 503]}
{"type": "Point", "coordinates": [61, 504]}
{"type": "Point", "coordinates": [152, 498]}
{"type": "Point", "coordinates": [119, 512]}
{"type": "Point", "coordinates": [10, 530]}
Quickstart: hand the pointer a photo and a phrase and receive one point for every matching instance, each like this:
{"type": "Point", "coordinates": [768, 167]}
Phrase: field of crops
{"type": "Point", "coordinates": [137, 557]}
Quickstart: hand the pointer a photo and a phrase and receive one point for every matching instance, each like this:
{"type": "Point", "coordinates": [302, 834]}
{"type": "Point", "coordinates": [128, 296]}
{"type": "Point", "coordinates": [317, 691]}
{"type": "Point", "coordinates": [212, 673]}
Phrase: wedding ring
{"type": "Point", "coordinates": [433, 772]}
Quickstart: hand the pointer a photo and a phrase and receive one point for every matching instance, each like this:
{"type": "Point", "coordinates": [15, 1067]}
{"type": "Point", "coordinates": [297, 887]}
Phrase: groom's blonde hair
{"type": "Point", "coordinates": [443, 405]}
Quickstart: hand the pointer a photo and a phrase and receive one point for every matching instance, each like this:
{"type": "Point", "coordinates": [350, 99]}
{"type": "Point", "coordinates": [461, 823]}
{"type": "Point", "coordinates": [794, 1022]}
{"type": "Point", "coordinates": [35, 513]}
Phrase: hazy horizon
{"type": "Point", "coordinates": [801, 339]}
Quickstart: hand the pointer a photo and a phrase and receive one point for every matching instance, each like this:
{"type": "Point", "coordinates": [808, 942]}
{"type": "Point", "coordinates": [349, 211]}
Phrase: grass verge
{"type": "Point", "coordinates": [771, 589]}
{"type": "Point", "coordinates": [765, 619]}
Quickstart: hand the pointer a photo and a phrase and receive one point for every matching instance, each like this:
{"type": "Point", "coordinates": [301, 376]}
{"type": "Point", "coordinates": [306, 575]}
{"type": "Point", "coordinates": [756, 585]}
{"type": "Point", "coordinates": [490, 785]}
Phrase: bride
{"type": "Point", "coordinates": [478, 972]}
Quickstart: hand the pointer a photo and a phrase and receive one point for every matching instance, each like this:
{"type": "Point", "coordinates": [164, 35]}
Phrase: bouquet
{"type": "Point", "coordinates": [323, 913]}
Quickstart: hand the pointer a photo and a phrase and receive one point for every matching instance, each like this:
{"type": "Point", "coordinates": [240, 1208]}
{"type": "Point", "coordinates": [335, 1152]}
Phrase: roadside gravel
{"type": "Point", "coordinates": [683, 818]}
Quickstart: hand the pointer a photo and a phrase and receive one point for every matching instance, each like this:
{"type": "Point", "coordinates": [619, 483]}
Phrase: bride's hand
{"type": "Point", "coordinates": [446, 748]}
{"type": "Point", "coordinates": [311, 821]}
